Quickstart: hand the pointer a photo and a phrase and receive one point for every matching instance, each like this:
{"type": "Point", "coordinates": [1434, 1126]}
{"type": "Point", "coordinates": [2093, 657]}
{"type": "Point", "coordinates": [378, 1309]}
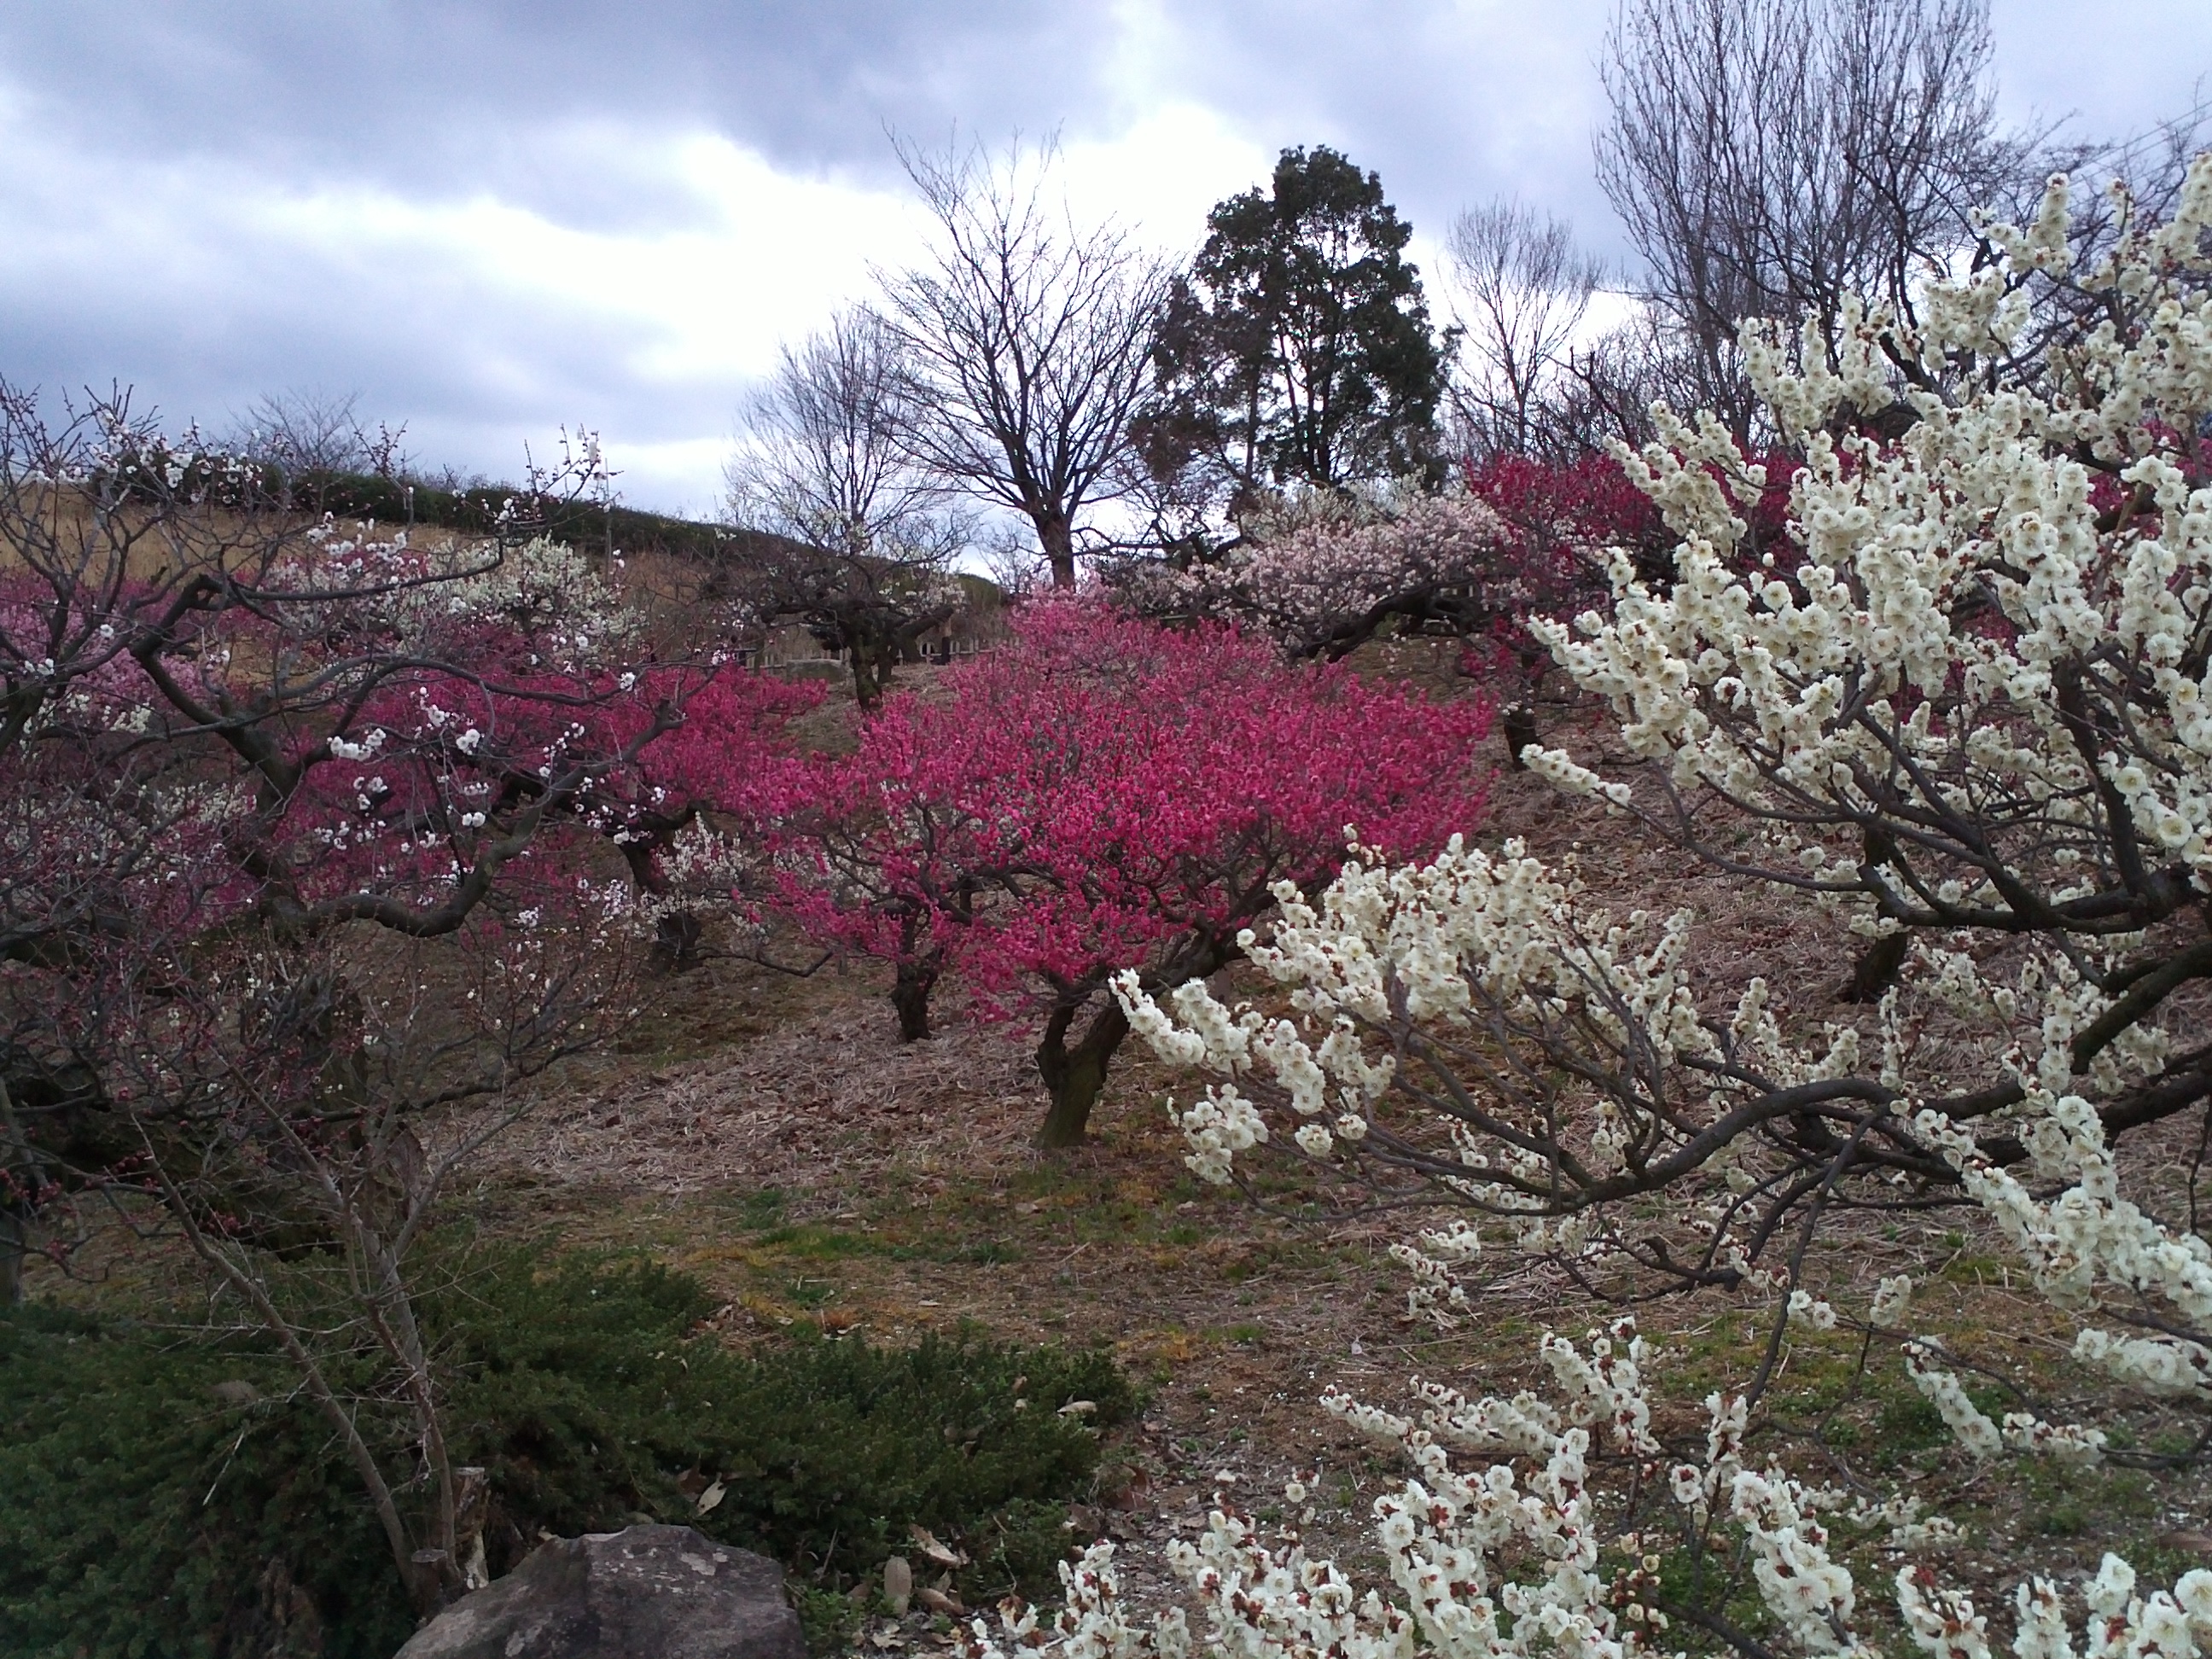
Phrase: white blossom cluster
{"type": "Point", "coordinates": [2177, 1622]}
{"type": "Point", "coordinates": [1993, 625]}
{"type": "Point", "coordinates": [1503, 1561]}
{"type": "Point", "coordinates": [560, 600]}
{"type": "Point", "coordinates": [1971, 696]}
{"type": "Point", "coordinates": [1472, 938]}
{"type": "Point", "coordinates": [1299, 583]}
{"type": "Point", "coordinates": [2090, 1246]}
{"type": "Point", "coordinates": [1512, 1560]}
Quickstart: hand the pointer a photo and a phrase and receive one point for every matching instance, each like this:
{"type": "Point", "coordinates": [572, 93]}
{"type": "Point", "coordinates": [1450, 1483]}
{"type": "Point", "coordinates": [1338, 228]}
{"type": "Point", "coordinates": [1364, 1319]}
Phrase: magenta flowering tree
{"type": "Point", "coordinates": [304, 839]}
{"type": "Point", "coordinates": [688, 816]}
{"type": "Point", "coordinates": [1105, 794]}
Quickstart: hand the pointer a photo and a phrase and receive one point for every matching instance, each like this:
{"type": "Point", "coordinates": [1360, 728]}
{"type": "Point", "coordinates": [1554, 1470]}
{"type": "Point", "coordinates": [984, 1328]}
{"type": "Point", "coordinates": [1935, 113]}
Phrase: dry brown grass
{"type": "Point", "coordinates": [770, 1134]}
{"type": "Point", "coordinates": [773, 1136]}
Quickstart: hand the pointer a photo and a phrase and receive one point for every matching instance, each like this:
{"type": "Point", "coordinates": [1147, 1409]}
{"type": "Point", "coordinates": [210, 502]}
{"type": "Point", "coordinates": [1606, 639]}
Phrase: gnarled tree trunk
{"type": "Point", "coordinates": [1076, 1075]}
{"type": "Point", "coordinates": [1057, 537]}
{"type": "Point", "coordinates": [910, 997]}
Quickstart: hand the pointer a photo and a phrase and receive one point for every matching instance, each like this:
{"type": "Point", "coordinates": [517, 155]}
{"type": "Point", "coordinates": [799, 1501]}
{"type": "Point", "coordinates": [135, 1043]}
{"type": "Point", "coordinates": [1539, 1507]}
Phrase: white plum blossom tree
{"type": "Point", "coordinates": [1321, 577]}
{"type": "Point", "coordinates": [1961, 710]}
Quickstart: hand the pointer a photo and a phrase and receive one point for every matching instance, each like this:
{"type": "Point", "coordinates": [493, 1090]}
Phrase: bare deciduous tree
{"type": "Point", "coordinates": [304, 429]}
{"type": "Point", "coordinates": [1519, 291]}
{"type": "Point", "coordinates": [1026, 338]}
{"type": "Point", "coordinates": [858, 539]}
{"type": "Point", "coordinates": [1770, 157]}
{"type": "Point", "coordinates": [825, 458]}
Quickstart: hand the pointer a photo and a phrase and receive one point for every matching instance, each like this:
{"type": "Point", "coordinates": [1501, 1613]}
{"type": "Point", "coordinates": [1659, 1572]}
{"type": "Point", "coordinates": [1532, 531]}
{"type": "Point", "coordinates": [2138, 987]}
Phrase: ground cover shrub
{"type": "Point", "coordinates": [166, 1493]}
{"type": "Point", "coordinates": [585, 1399]}
{"type": "Point", "coordinates": [161, 1496]}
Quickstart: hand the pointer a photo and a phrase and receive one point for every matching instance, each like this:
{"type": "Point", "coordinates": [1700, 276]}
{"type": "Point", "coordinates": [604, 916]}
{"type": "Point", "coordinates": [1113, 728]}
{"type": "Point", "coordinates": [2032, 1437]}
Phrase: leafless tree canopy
{"type": "Point", "coordinates": [859, 538]}
{"type": "Point", "coordinates": [1026, 336]}
{"type": "Point", "coordinates": [1519, 289]}
{"type": "Point", "coordinates": [825, 454]}
{"type": "Point", "coordinates": [1770, 157]}
{"type": "Point", "coordinates": [305, 429]}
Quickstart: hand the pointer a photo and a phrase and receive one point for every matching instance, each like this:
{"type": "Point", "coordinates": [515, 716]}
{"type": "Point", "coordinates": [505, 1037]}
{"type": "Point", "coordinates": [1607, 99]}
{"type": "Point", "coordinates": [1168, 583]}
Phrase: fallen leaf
{"type": "Point", "coordinates": [1130, 1494]}
{"type": "Point", "coordinates": [944, 1554]}
{"type": "Point", "coordinates": [709, 1499]}
{"type": "Point", "coordinates": [938, 1600]}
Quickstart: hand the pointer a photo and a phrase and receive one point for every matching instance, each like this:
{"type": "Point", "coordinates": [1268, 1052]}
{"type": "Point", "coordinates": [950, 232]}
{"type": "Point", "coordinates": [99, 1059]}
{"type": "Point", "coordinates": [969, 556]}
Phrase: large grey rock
{"type": "Point", "coordinates": [643, 1593]}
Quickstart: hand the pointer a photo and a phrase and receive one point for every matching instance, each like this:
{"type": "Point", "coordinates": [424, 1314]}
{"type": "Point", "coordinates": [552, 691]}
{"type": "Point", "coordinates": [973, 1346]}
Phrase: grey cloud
{"type": "Point", "coordinates": [1450, 104]}
{"type": "Point", "coordinates": [112, 260]}
{"type": "Point", "coordinates": [440, 99]}
{"type": "Point", "coordinates": [109, 271]}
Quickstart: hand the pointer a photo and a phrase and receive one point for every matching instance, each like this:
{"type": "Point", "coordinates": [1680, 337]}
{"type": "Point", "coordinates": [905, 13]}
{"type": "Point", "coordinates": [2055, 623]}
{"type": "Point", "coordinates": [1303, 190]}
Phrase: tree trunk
{"type": "Point", "coordinates": [1876, 969]}
{"type": "Point", "coordinates": [15, 1223]}
{"type": "Point", "coordinates": [1878, 965]}
{"type": "Point", "coordinates": [1076, 1076]}
{"type": "Point", "coordinates": [872, 666]}
{"type": "Point", "coordinates": [1057, 537]}
{"type": "Point", "coordinates": [910, 996]}
{"type": "Point", "coordinates": [676, 939]}
{"type": "Point", "coordinates": [1518, 721]}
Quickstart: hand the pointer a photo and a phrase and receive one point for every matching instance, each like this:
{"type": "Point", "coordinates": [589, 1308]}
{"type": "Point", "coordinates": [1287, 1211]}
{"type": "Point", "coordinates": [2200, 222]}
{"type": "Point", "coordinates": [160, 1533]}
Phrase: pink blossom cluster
{"type": "Point", "coordinates": [1520, 538]}
{"type": "Point", "coordinates": [1325, 585]}
{"type": "Point", "coordinates": [1106, 794]}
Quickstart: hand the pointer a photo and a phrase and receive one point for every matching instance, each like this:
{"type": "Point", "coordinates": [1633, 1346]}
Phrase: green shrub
{"type": "Point", "coordinates": [151, 1504]}
{"type": "Point", "coordinates": [580, 1394]}
{"type": "Point", "coordinates": [145, 1510]}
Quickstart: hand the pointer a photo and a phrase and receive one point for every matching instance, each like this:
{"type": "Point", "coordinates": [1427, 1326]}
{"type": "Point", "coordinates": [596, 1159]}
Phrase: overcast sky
{"type": "Point", "coordinates": [490, 219]}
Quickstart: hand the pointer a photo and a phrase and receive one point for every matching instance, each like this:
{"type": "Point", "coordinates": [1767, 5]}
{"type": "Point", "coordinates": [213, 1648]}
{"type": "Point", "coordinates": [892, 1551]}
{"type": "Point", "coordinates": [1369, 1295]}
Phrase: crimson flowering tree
{"type": "Point", "coordinates": [1106, 794]}
{"type": "Point", "coordinates": [688, 814]}
{"type": "Point", "coordinates": [304, 833]}
{"type": "Point", "coordinates": [1561, 521]}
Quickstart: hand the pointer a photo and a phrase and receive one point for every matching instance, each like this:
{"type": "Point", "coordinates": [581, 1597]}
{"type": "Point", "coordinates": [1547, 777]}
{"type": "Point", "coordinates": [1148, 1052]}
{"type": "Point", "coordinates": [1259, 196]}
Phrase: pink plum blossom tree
{"type": "Point", "coordinates": [1104, 795]}
{"type": "Point", "coordinates": [306, 836]}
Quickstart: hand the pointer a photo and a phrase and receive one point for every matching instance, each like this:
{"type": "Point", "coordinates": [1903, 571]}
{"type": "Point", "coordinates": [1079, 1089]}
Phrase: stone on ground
{"type": "Point", "coordinates": [643, 1593]}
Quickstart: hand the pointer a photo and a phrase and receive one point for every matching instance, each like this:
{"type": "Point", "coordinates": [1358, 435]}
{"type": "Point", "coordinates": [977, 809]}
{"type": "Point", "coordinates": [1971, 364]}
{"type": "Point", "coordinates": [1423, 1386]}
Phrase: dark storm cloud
{"type": "Point", "coordinates": [166, 276]}
{"type": "Point", "coordinates": [166, 213]}
{"type": "Point", "coordinates": [127, 116]}
{"type": "Point", "coordinates": [1451, 104]}
{"type": "Point", "coordinates": [1450, 101]}
{"type": "Point", "coordinates": [446, 97]}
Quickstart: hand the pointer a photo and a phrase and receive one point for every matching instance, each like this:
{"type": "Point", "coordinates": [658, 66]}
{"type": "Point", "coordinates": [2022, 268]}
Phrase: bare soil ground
{"type": "Point", "coordinates": [771, 1135]}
